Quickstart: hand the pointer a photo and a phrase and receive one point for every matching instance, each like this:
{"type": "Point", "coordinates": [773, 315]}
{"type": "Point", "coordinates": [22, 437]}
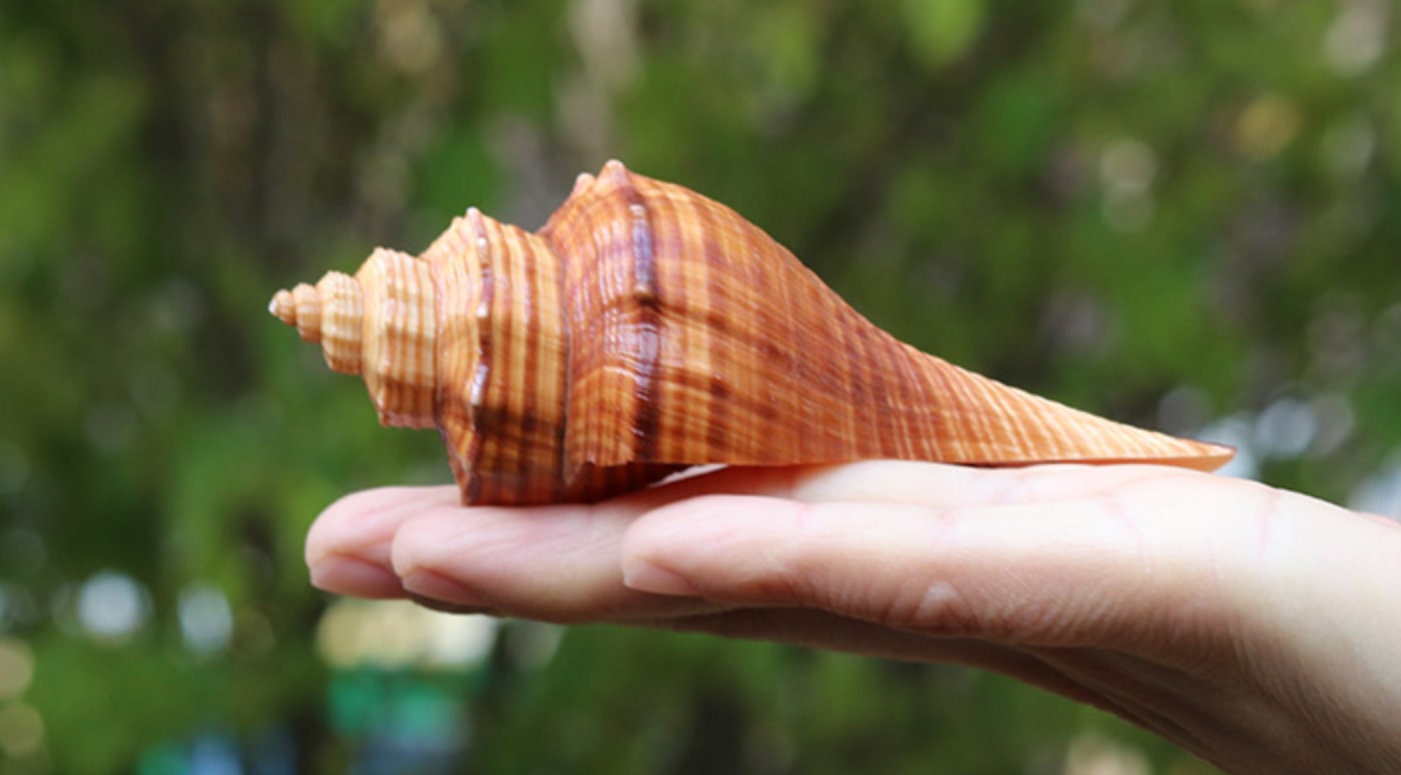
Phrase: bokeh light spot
{"type": "Point", "coordinates": [16, 667]}
{"type": "Point", "coordinates": [206, 621]}
{"type": "Point", "coordinates": [1266, 126]}
{"type": "Point", "coordinates": [1356, 39]}
{"type": "Point", "coordinates": [21, 730]}
{"type": "Point", "coordinates": [397, 634]}
{"type": "Point", "coordinates": [112, 606]}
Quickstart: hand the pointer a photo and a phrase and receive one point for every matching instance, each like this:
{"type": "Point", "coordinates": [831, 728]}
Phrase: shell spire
{"type": "Point", "coordinates": [379, 324]}
{"type": "Point", "coordinates": [646, 328]}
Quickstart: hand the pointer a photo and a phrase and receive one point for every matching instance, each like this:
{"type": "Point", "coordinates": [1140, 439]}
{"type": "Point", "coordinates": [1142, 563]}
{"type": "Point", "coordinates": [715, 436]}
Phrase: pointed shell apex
{"type": "Point", "coordinates": [282, 307]}
{"type": "Point", "coordinates": [614, 170]}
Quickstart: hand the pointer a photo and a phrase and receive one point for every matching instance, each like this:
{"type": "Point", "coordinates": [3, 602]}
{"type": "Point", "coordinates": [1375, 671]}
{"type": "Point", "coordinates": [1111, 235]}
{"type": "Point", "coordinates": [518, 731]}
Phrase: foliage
{"type": "Point", "coordinates": [1182, 215]}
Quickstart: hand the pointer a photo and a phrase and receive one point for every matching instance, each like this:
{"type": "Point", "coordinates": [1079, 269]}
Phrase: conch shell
{"type": "Point", "coordinates": [647, 328]}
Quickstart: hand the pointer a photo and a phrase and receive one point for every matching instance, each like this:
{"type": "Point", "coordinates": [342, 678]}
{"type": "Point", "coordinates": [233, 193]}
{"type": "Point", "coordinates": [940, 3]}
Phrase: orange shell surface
{"type": "Point", "coordinates": [647, 328]}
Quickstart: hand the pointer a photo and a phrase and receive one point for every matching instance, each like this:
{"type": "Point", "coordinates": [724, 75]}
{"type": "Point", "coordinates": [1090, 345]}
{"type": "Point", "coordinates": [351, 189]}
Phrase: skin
{"type": "Point", "coordinates": [1255, 627]}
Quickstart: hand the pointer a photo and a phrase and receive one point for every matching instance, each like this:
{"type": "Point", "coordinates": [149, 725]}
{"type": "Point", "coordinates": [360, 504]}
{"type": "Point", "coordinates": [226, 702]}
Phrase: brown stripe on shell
{"type": "Point", "coordinates": [481, 372]}
{"type": "Point", "coordinates": [546, 392]}
{"type": "Point", "coordinates": [565, 234]}
{"type": "Point", "coordinates": [855, 378]}
{"type": "Point", "coordinates": [715, 301]}
{"type": "Point", "coordinates": [457, 342]}
{"type": "Point", "coordinates": [687, 354]}
{"type": "Point", "coordinates": [647, 297]}
{"type": "Point", "coordinates": [505, 386]}
{"type": "Point", "coordinates": [930, 387]}
{"type": "Point", "coordinates": [661, 277]}
{"type": "Point", "coordinates": [529, 288]}
{"type": "Point", "coordinates": [533, 392]}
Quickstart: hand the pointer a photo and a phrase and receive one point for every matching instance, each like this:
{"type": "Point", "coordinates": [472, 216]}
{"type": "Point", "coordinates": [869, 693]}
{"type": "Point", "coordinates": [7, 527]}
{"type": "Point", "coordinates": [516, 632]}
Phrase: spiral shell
{"type": "Point", "coordinates": [647, 328]}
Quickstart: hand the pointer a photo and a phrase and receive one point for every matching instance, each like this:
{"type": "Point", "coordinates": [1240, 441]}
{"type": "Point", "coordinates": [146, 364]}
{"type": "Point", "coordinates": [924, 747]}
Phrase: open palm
{"type": "Point", "coordinates": [1256, 627]}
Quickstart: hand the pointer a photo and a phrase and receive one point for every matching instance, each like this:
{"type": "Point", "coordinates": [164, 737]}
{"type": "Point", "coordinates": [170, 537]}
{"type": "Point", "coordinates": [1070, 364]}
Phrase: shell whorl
{"type": "Point", "coordinates": [646, 328]}
{"type": "Point", "coordinates": [380, 324]}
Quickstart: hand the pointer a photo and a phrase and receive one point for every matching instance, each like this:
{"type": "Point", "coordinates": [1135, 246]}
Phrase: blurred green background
{"type": "Point", "coordinates": [1182, 215]}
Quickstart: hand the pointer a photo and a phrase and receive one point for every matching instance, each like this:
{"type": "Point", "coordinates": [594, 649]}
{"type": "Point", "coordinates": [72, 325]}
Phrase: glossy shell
{"type": "Point", "coordinates": [647, 328]}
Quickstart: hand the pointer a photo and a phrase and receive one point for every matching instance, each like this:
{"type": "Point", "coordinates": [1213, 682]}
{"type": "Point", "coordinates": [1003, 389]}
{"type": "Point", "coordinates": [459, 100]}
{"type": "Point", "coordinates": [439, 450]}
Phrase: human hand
{"type": "Point", "coordinates": [1256, 627]}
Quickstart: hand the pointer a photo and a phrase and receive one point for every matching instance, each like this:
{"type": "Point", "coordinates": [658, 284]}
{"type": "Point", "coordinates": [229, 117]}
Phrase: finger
{"type": "Point", "coordinates": [347, 548]}
{"type": "Point", "coordinates": [1065, 572]}
{"type": "Point", "coordinates": [553, 563]}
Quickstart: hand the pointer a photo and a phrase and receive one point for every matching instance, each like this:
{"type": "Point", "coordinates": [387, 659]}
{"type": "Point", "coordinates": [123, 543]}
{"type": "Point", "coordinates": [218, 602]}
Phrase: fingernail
{"type": "Point", "coordinates": [345, 575]}
{"type": "Point", "coordinates": [439, 587]}
{"type": "Point", "coordinates": [645, 577]}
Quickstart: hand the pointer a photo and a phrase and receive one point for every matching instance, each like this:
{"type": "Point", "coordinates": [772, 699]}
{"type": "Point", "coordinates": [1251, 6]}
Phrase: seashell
{"type": "Point", "coordinates": [647, 328]}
